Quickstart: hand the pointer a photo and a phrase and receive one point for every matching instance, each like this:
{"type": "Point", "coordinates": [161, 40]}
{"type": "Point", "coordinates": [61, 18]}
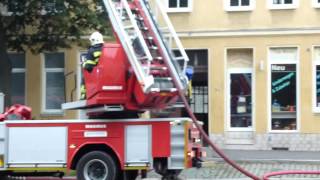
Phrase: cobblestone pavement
{"type": "Point", "coordinates": [222, 171]}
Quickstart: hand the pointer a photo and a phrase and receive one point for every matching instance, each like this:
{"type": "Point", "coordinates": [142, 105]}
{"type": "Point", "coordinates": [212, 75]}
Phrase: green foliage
{"type": "Point", "coordinates": [45, 25]}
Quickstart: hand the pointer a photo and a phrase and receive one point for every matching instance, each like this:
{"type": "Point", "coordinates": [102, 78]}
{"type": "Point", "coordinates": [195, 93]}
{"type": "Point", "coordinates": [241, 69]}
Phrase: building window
{"type": "Point", "coordinates": [316, 97]}
{"type": "Point", "coordinates": [239, 5]}
{"type": "Point", "coordinates": [239, 89]}
{"type": "Point", "coordinates": [18, 78]}
{"type": "Point", "coordinates": [179, 5]}
{"type": "Point", "coordinates": [240, 98]}
{"type": "Point", "coordinates": [316, 3]}
{"type": "Point", "coordinates": [199, 100]}
{"type": "Point", "coordinates": [283, 89]}
{"type": "Point", "coordinates": [53, 83]}
{"type": "Point", "coordinates": [52, 6]}
{"type": "Point", "coordinates": [48, 6]}
{"type": "Point", "coordinates": [283, 4]}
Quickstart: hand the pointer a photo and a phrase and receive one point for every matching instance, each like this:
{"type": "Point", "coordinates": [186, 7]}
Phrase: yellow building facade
{"type": "Point", "coordinates": [257, 72]}
{"type": "Point", "coordinates": [263, 72]}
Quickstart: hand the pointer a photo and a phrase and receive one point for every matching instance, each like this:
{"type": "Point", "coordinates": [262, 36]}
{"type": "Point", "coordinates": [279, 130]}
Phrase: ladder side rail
{"type": "Point", "coordinates": [144, 79]}
{"type": "Point", "coordinates": [168, 56]}
{"type": "Point", "coordinates": [173, 33]}
{"type": "Point", "coordinates": [139, 35]}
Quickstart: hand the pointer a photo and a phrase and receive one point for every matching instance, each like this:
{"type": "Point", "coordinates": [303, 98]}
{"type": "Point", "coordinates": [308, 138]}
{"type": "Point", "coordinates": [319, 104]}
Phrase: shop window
{"type": "Point", "coordinates": [283, 89]}
{"type": "Point", "coordinates": [239, 89]}
{"type": "Point", "coordinates": [239, 5]}
{"type": "Point", "coordinates": [283, 84]}
{"type": "Point", "coordinates": [283, 4]}
{"type": "Point", "coordinates": [18, 78]}
{"type": "Point", "coordinates": [53, 83]}
{"type": "Point", "coordinates": [179, 5]}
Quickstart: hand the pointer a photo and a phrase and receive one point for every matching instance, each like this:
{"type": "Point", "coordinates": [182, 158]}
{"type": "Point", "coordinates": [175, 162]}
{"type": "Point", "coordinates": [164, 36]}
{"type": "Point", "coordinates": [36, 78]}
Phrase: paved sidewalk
{"type": "Point", "coordinates": [257, 162]}
{"type": "Point", "coordinates": [272, 155]}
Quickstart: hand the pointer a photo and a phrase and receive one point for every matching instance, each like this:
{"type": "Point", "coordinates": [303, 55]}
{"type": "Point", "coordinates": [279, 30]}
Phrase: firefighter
{"type": "Point", "coordinates": [189, 74]}
{"type": "Point", "coordinates": [92, 57]}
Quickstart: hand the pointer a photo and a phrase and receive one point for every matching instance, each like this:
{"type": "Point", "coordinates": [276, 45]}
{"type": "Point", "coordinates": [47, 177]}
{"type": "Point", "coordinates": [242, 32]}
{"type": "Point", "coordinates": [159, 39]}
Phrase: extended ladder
{"type": "Point", "coordinates": [154, 51]}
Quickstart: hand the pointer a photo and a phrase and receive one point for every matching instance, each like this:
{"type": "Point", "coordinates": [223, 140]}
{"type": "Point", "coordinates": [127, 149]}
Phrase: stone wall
{"type": "Point", "coordinates": [269, 141]}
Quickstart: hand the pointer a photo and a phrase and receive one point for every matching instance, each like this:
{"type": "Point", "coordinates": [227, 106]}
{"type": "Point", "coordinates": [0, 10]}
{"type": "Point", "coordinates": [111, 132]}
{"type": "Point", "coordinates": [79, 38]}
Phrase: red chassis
{"type": "Point", "coordinates": [133, 144]}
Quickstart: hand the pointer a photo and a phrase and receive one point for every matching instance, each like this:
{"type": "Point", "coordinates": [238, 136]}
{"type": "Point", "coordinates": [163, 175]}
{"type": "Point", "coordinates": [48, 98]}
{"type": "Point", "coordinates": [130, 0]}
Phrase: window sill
{"type": "Point", "coordinates": [238, 9]}
{"type": "Point", "coordinates": [179, 10]}
{"type": "Point", "coordinates": [316, 110]}
{"type": "Point", "coordinates": [283, 131]}
{"type": "Point", "coordinates": [52, 114]}
{"type": "Point", "coordinates": [283, 7]}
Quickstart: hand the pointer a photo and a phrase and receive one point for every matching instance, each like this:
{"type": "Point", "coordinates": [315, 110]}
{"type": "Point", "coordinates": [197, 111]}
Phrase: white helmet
{"type": "Point", "coordinates": [96, 38]}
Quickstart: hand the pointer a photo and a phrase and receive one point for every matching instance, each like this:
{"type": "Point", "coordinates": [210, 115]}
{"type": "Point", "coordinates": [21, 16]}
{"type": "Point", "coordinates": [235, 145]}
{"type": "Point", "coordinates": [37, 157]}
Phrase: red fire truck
{"type": "Point", "coordinates": [145, 70]}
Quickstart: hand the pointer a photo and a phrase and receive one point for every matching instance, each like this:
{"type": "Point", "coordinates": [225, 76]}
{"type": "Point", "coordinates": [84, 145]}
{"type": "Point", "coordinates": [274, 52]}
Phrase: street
{"type": "Point", "coordinates": [222, 171]}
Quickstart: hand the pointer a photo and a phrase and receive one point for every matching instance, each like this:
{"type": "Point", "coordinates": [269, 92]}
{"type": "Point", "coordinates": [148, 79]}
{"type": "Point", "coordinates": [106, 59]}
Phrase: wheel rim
{"type": "Point", "coordinates": [95, 169]}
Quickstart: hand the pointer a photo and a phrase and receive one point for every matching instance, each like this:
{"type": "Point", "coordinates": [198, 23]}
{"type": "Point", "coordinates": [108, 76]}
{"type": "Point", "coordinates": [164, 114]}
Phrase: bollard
{"type": "Point", "coordinates": [1, 102]}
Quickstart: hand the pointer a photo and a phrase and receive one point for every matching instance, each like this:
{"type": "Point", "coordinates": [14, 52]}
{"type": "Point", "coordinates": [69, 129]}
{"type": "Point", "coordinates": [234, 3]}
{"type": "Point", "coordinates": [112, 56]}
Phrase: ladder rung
{"type": "Point", "coordinates": [134, 10]}
{"type": "Point", "coordinates": [163, 78]}
{"type": "Point", "coordinates": [179, 58]}
{"type": "Point", "coordinates": [158, 58]}
{"type": "Point", "coordinates": [153, 47]}
{"type": "Point", "coordinates": [129, 27]}
{"type": "Point", "coordinates": [124, 18]}
{"type": "Point", "coordinates": [158, 68]}
{"type": "Point", "coordinates": [152, 67]}
{"type": "Point", "coordinates": [139, 18]}
{"type": "Point", "coordinates": [150, 38]}
{"type": "Point", "coordinates": [143, 58]}
{"type": "Point", "coordinates": [164, 89]}
{"type": "Point", "coordinates": [144, 28]}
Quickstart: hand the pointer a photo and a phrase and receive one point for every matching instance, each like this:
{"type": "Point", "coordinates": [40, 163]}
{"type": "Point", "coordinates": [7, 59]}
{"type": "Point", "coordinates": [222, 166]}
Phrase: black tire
{"type": "Point", "coordinates": [97, 165]}
{"type": "Point", "coordinates": [4, 177]}
{"type": "Point", "coordinates": [130, 174]}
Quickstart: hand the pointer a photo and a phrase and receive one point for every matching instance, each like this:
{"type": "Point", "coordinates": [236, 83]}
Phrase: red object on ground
{"type": "Point", "coordinates": [16, 112]}
{"type": "Point", "coordinates": [280, 173]}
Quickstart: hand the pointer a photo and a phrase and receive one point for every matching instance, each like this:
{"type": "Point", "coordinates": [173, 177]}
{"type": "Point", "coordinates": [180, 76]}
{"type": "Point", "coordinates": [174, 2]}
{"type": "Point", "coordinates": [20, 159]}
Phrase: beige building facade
{"type": "Point", "coordinates": [257, 72]}
{"type": "Point", "coordinates": [262, 69]}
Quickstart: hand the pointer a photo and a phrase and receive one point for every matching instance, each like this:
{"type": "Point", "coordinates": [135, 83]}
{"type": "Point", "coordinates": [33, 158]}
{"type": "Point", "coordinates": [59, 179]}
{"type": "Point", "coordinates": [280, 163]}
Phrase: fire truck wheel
{"type": "Point", "coordinates": [97, 165]}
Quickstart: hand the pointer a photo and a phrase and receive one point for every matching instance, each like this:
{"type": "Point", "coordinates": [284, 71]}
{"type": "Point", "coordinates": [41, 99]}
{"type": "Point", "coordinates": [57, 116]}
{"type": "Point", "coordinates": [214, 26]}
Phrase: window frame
{"type": "Point", "coordinates": [315, 62]}
{"type": "Point", "coordinates": [5, 11]}
{"type": "Point", "coordinates": [239, 71]}
{"type": "Point", "coordinates": [315, 4]}
{"type": "Point", "coordinates": [271, 6]}
{"type": "Point", "coordinates": [298, 85]}
{"type": "Point", "coordinates": [44, 71]}
{"type": "Point", "coordinates": [179, 9]}
{"type": "Point", "coordinates": [21, 70]}
{"type": "Point", "coordinates": [227, 120]}
{"type": "Point", "coordinates": [228, 7]}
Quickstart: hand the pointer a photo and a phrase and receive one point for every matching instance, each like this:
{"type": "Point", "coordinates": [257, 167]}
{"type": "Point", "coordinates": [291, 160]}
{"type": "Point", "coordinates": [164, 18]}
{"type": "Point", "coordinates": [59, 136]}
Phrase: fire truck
{"type": "Point", "coordinates": [144, 70]}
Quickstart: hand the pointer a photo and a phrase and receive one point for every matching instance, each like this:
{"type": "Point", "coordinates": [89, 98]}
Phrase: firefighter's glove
{"type": "Point", "coordinates": [89, 67]}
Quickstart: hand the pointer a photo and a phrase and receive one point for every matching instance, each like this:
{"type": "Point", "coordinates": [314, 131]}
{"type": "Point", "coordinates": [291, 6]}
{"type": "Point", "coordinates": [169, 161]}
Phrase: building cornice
{"type": "Point", "coordinates": [249, 32]}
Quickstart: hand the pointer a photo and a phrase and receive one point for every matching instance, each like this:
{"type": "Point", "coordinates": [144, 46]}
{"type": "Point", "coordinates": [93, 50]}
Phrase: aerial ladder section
{"type": "Point", "coordinates": [154, 54]}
